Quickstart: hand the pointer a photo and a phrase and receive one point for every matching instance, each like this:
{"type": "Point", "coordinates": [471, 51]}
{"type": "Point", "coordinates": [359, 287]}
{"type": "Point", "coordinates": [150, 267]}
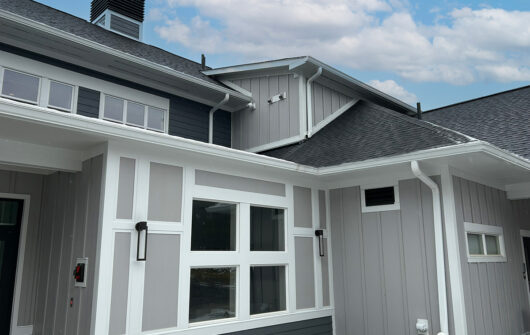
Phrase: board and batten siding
{"type": "Point", "coordinates": [268, 123]}
{"type": "Point", "coordinates": [326, 101]}
{"type": "Point", "coordinates": [384, 264]}
{"type": "Point", "coordinates": [495, 295]}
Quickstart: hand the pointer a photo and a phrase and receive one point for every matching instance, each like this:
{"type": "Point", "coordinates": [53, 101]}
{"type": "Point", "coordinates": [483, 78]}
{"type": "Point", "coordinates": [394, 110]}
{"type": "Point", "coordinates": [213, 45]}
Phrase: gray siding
{"type": "Point", "coordinates": [165, 193]}
{"type": "Point", "coordinates": [220, 180]}
{"type": "Point", "coordinates": [269, 122]}
{"type": "Point", "coordinates": [88, 102]}
{"type": "Point", "coordinates": [31, 184]}
{"type": "Point", "coordinates": [124, 26]}
{"type": "Point", "coordinates": [305, 270]}
{"type": "Point", "coordinates": [326, 101]}
{"type": "Point", "coordinates": [495, 293]}
{"type": "Point", "coordinates": [384, 263]}
{"type": "Point", "coordinates": [320, 326]}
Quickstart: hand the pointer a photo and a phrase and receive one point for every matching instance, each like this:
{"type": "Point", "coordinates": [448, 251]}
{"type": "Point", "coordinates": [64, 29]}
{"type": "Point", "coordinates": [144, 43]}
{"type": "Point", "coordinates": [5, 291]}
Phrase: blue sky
{"type": "Point", "coordinates": [436, 52]}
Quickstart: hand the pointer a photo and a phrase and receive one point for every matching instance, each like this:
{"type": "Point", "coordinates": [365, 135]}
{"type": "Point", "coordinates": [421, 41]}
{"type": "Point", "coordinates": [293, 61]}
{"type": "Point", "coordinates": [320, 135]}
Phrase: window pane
{"type": "Point", "coordinates": [474, 243]}
{"type": "Point", "coordinates": [60, 95]}
{"type": "Point", "coordinates": [113, 108]}
{"type": "Point", "coordinates": [492, 245]}
{"type": "Point", "coordinates": [20, 85]}
{"type": "Point", "coordinates": [267, 289]}
{"type": "Point", "coordinates": [9, 212]}
{"type": "Point", "coordinates": [266, 229]}
{"type": "Point", "coordinates": [213, 226]}
{"type": "Point", "coordinates": [155, 119]}
{"type": "Point", "coordinates": [212, 294]}
{"type": "Point", "coordinates": [135, 114]}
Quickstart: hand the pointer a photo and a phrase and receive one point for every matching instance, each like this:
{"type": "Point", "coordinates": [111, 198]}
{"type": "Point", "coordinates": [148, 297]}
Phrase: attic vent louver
{"type": "Point", "coordinates": [379, 196]}
{"type": "Point", "coordinates": [124, 17]}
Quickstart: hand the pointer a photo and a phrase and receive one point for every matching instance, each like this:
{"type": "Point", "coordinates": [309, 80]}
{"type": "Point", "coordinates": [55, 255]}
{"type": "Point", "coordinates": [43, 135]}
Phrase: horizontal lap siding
{"type": "Point", "coordinates": [320, 326]}
{"type": "Point", "coordinates": [384, 265]}
{"type": "Point", "coordinates": [88, 102]}
{"type": "Point", "coordinates": [188, 119]}
{"type": "Point", "coordinates": [495, 294]}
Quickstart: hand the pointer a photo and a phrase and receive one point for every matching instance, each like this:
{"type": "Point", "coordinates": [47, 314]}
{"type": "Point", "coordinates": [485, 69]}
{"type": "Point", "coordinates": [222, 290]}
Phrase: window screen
{"type": "Point", "coordinates": [379, 196]}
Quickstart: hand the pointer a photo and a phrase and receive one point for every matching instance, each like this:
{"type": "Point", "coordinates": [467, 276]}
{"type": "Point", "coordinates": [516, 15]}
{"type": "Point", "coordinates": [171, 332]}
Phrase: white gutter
{"type": "Point", "coordinates": [309, 103]}
{"type": "Point", "coordinates": [439, 245]}
{"type": "Point", "coordinates": [216, 107]}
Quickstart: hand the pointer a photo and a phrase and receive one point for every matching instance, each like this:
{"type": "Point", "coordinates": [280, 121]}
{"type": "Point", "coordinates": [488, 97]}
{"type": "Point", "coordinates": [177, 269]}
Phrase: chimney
{"type": "Point", "coordinates": [203, 62]}
{"type": "Point", "coordinates": [418, 110]}
{"type": "Point", "coordinates": [124, 17]}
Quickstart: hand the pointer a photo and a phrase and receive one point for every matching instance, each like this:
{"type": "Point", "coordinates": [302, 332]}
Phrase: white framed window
{"type": "Point", "coordinates": [484, 243]}
{"type": "Point", "coordinates": [20, 86]}
{"type": "Point", "coordinates": [379, 198]}
{"type": "Point", "coordinates": [220, 262]}
{"type": "Point", "coordinates": [61, 96]}
{"type": "Point", "coordinates": [133, 113]}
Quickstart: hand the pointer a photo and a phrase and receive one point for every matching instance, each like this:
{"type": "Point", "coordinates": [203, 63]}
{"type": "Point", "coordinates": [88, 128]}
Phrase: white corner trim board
{"type": "Point", "coordinates": [439, 245]}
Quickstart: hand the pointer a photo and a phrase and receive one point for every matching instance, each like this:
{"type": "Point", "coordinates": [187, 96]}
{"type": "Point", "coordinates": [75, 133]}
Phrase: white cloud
{"type": "Point", "coordinates": [482, 44]}
{"type": "Point", "coordinates": [392, 88]}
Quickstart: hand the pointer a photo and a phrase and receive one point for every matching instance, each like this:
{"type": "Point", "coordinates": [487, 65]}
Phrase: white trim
{"type": "Point", "coordinates": [211, 113]}
{"type": "Point", "coordinates": [15, 329]}
{"type": "Point", "coordinates": [116, 53]}
{"type": "Point", "coordinates": [236, 87]}
{"type": "Point", "coordinates": [253, 67]}
{"type": "Point", "coordinates": [483, 230]}
{"type": "Point", "coordinates": [371, 209]}
{"type": "Point", "coordinates": [334, 115]}
{"type": "Point", "coordinates": [277, 144]}
{"type": "Point", "coordinates": [453, 252]}
{"type": "Point", "coordinates": [302, 106]}
{"type": "Point", "coordinates": [309, 102]}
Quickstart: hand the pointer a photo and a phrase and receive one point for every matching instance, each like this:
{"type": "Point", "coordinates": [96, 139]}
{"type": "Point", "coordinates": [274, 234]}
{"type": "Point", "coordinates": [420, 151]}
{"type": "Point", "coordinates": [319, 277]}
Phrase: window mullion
{"type": "Point", "coordinates": [244, 266]}
{"type": "Point", "coordinates": [124, 112]}
{"type": "Point", "coordinates": [484, 248]}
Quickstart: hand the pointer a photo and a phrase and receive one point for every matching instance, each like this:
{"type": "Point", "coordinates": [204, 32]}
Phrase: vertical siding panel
{"type": "Point", "coordinates": [283, 106]}
{"type": "Point", "coordinates": [264, 111]}
{"type": "Point", "coordinates": [318, 107]}
{"type": "Point", "coordinates": [236, 131]}
{"type": "Point", "coordinates": [245, 118]}
{"type": "Point", "coordinates": [392, 266]}
{"type": "Point", "coordinates": [499, 270]}
{"type": "Point", "coordinates": [274, 120]}
{"type": "Point", "coordinates": [339, 259]}
{"type": "Point", "coordinates": [335, 101]}
{"type": "Point", "coordinates": [372, 273]}
{"type": "Point", "coordinates": [354, 264]}
{"type": "Point", "coordinates": [294, 103]}
{"type": "Point", "coordinates": [326, 93]}
{"type": "Point", "coordinates": [254, 115]}
{"type": "Point", "coordinates": [410, 218]}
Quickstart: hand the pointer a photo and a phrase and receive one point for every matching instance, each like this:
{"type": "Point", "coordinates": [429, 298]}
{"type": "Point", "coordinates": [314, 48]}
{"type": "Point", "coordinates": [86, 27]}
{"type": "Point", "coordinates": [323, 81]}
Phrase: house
{"type": "Point", "coordinates": [144, 193]}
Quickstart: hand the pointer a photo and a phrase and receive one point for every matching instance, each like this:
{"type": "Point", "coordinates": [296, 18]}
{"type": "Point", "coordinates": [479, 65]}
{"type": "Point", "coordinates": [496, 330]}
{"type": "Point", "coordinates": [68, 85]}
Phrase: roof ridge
{"type": "Point", "coordinates": [479, 98]}
{"type": "Point", "coordinates": [422, 123]}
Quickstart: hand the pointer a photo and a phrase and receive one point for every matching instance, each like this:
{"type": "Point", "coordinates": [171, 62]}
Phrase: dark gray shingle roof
{"type": "Point", "coordinates": [72, 24]}
{"type": "Point", "coordinates": [364, 132]}
{"type": "Point", "coordinates": [502, 119]}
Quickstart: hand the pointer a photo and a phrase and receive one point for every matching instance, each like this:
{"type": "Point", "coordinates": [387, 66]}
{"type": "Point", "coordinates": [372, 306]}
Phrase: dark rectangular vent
{"type": "Point", "coordinates": [379, 196]}
{"type": "Point", "coordinates": [133, 9]}
{"type": "Point", "coordinates": [124, 26]}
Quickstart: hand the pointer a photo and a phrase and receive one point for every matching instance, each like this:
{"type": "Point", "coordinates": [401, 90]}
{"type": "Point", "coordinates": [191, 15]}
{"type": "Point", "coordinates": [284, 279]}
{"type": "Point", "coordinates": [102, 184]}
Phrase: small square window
{"type": "Point", "coordinates": [18, 85]}
{"type": "Point", "coordinates": [114, 108]}
{"type": "Point", "coordinates": [135, 114]}
{"type": "Point", "coordinates": [155, 119]}
{"type": "Point", "coordinates": [267, 289]}
{"type": "Point", "coordinates": [61, 96]}
{"type": "Point", "coordinates": [484, 243]}
{"type": "Point", "coordinates": [213, 226]}
{"type": "Point", "coordinates": [212, 294]}
{"type": "Point", "coordinates": [267, 229]}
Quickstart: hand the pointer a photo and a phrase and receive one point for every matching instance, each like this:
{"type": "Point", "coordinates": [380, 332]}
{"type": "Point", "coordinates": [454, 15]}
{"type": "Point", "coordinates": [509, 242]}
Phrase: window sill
{"type": "Point", "coordinates": [486, 259]}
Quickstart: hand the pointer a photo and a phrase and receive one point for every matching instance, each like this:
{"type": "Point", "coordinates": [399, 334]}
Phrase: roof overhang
{"type": "Point", "coordinates": [21, 32]}
{"type": "Point", "coordinates": [76, 136]}
{"type": "Point", "coordinates": [307, 66]}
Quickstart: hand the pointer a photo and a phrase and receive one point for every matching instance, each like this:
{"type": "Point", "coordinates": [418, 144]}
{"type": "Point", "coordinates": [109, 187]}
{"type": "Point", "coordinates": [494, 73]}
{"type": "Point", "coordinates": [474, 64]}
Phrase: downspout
{"type": "Point", "coordinates": [309, 101]}
{"type": "Point", "coordinates": [214, 108]}
{"type": "Point", "coordinates": [439, 245]}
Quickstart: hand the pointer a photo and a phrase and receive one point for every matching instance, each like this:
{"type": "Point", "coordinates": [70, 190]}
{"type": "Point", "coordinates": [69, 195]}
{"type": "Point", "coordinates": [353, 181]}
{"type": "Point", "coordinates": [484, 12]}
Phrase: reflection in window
{"type": "Point", "coordinates": [155, 119]}
{"type": "Point", "coordinates": [10, 212]}
{"type": "Point", "coordinates": [266, 229]}
{"type": "Point", "coordinates": [267, 289]}
{"type": "Point", "coordinates": [212, 294]}
{"type": "Point", "coordinates": [213, 226]}
{"type": "Point", "coordinates": [135, 114]}
{"type": "Point", "coordinates": [113, 108]}
{"type": "Point", "coordinates": [20, 86]}
{"type": "Point", "coordinates": [61, 95]}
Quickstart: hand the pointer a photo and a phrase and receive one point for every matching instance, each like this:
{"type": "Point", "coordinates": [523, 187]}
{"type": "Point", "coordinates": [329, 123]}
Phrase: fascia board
{"type": "Point", "coordinates": [252, 67]}
{"type": "Point", "coordinates": [119, 54]}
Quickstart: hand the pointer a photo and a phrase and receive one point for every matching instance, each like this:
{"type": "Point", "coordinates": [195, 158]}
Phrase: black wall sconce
{"type": "Point", "coordinates": [141, 227]}
{"type": "Point", "coordinates": [320, 234]}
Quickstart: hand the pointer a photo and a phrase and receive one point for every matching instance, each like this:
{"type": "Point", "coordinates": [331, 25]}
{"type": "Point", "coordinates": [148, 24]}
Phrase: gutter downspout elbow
{"type": "Point", "coordinates": [439, 245]}
{"type": "Point", "coordinates": [309, 101]}
{"type": "Point", "coordinates": [214, 108]}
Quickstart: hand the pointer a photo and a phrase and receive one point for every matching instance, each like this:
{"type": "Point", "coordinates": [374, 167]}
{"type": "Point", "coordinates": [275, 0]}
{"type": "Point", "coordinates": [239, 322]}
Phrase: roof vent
{"type": "Point", "coordinates": [124, 17]}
